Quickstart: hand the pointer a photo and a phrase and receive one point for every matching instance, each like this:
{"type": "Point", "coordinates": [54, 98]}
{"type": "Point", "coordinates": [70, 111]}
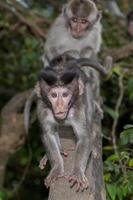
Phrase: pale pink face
{"type": "Point", "coordinates": [60, 98]}
{"type": "Point", "coordinates": [78, 26]}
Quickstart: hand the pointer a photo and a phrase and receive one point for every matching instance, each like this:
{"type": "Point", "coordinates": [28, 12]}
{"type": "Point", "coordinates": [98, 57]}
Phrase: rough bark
{"type": "Point", "coordinates": [61, 188]}
{"type": "Point", "coordinates": [12, 135]}
{"type": "Point", "coordinates": [120, 53]}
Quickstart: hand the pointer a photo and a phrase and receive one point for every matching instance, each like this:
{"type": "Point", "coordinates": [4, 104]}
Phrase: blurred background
{"type": "Point", "coordinates": [23, 30]}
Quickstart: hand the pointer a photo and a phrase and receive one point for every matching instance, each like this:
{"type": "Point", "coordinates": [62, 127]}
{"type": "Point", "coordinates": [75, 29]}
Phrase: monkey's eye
{"type": "Point", "coordinates": [54, 95]}
{"type": "Point", "coordinates": [84, 21]}
{"type": "Point", "coordinates": [74, 19]}
{"type": "Point", "coordinates": [65, 94]}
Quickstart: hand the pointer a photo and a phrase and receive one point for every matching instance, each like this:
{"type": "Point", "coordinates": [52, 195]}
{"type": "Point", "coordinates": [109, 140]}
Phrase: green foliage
{"type": "Point", "coordinates": [118, 164]}
{"type": "Point", "coordinates": [118, 168]}
{"type": "Point", "coordinates": [2, 195]}
{"type": "Point", "coordinates": [19, 55]}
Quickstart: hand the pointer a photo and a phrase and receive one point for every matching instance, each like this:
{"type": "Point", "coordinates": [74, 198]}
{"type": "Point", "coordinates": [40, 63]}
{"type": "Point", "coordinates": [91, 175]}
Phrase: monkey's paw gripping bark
{"type": "Point", "coordinates": [79, 179]}
{"type": "Point", "coordinates": [54, 174]}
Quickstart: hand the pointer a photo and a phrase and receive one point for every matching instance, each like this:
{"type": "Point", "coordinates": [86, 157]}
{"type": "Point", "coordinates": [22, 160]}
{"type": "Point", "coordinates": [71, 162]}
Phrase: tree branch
{"type": "Point", "coordinates": [36, 30]}
{"type": "Point", "coordinates": [12, 134]}
{"type": "Point", "coordinates": [121, 53]}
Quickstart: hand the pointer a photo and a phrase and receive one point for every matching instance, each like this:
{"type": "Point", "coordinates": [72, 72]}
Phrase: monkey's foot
{"type": "Point", "coordinates": [98, 109]}
{"type": "Point", "coordinates": [53, 176]}
{"type": "Point", "coordinates": [44, 159]}
{"type": "Point", "coordinates": [64, 153]}
{"type": "Point", "coordinates": [78, 179]}
{"type": "Point", "coordinates": [43, 162]}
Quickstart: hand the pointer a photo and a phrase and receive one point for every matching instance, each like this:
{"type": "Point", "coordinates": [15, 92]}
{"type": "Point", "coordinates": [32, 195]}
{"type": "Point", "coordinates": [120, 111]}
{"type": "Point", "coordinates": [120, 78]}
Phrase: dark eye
{"type": "Point", "coordinates": [65, 94]}
{"type": "Point", "coordinates": [84, 21]}
{"type": "Point", "coordinates": [54, 95]}
{"type": "Point", "coordinates": [74, 19]}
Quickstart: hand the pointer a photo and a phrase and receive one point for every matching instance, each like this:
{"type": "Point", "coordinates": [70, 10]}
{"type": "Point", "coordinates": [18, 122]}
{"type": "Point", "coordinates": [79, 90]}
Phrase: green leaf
{"type": "Point", "coordinates": [125, 190]}
{"type": "Point", "coordinates": [116, 69]}
{"type": "Point", "coordinates": [128, 126]}
{"type": "Point", "coordinates": [119, 193]}
{"type": "Point", "coordinates": [108, 148]}
{"type": "Point", "coordinates": [113, 157]}
{"type": "Point", "coordinates": [2, 195]}
{"type": "Point", "coordinates": [107, 177]}
{"type": "Point", "coordinates": [127, 136]}
{"type": "Point", "coordinates": [111, 112]}
{"type": "Point", "coordinates": [111, 189]}
{"type": "Point", "coordinates": [130, 163]}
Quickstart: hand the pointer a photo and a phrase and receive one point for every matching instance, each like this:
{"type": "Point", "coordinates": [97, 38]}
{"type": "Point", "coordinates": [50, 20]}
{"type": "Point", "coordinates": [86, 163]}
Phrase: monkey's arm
{"type": "Point", "coordinates": [51, 145]}
{"type": "Point", "coordinates": [83, 130]}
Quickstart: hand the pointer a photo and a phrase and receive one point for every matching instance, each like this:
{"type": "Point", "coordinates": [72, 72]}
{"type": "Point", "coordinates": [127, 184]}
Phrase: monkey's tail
{"type": "Point", "coordinates": [27, 109]}
{"type": "Point", "coordinates": [96, 65]}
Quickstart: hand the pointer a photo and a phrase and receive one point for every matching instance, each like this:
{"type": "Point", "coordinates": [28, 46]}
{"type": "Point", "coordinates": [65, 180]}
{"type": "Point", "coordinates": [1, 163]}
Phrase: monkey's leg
{"type": "Point", "coordinates": [64, 153]}
{"type": "Point", "coordinates": [82, 153]}
{"type": "Point", "coordinates": [44, 159]}
{"type": "Point", "coordinates": [53, 154]}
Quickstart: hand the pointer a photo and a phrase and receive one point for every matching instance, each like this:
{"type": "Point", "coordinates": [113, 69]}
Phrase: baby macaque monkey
{"type": "Point", "coordinates": [78, 27]}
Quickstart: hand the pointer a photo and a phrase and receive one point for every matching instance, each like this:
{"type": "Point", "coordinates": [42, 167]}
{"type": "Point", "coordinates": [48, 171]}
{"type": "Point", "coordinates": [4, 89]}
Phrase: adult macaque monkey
{"type": "Point", "coordinates": [62, 100]}
{"type": "Point", "coordinates": [77, 28]}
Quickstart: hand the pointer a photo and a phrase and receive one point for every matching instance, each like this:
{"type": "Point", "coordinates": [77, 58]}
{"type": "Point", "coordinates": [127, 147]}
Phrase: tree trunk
{"type": "Point", "coordinates": [12, 134]}
{"type": "Point", "coordinates": [60, 189]}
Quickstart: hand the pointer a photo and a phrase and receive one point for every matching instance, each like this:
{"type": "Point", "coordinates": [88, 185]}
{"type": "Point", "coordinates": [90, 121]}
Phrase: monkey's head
{"type": "Point", "coordinates": [80, 16]}
{"type": "Point", "coordinates": [59, 90]}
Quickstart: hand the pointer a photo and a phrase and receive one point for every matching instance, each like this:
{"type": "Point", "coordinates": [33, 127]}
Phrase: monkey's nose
{"type": "Point", "coordinates": [60, 105]}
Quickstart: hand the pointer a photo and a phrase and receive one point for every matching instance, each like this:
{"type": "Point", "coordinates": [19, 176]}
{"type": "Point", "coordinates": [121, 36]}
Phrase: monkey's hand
{"type": "Point", "coordinates": [55, 173]}
{"type": "Point", "coordinates": [79, 179]}
{"type": "Point", "coordinates": [43, 162]}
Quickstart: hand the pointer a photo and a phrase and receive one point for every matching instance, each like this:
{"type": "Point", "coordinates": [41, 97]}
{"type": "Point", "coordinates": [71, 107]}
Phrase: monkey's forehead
{"type": "Point", "coordinates": [81, 8]}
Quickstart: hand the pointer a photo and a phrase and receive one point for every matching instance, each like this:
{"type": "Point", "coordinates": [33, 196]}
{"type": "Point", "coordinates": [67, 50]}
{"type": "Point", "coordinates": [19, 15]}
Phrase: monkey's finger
{"type": "Point", "coordinates": [79, 186]}
{"type": "Point", "coordinates": [72, 181]}
{"type": "Point", "coordinates": [84, 185]}
{"type": "Point", "coordinates": [49, 181]}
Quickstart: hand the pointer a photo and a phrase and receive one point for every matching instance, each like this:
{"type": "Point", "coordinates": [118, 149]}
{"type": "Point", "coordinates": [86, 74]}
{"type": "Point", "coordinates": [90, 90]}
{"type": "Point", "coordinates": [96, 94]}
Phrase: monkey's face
{"type": "Point", "coordinates": [78, 27]}
{"type": "Point", "coordinates": [59, 98]}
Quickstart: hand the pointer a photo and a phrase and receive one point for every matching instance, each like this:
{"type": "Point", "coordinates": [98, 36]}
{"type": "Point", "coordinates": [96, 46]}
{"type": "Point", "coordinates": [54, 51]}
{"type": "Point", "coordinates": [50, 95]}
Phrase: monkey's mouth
{"type": "Point", "coordinates": [78, 35]}
{"type": "Point", "coordinates": [61, 115]}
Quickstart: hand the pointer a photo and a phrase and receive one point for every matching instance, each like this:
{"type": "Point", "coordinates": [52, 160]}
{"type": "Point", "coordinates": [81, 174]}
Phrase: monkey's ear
{"type": "Point", "coordinates": [99, 15]}
{"type": "Point", "coordinates": [44, 87]}
{"type": "Point", "coordinates": [63, 10]}
{"type": "Point", "coordinates": [81, 86]}
{"type": "Point", "coordinates": [66, 11]}
{"type": "Point", "coordinates": [48, 75]}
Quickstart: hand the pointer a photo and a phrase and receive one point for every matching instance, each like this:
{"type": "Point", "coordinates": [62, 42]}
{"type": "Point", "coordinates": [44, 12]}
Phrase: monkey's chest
{"type": "Point", "coordinates": [66, 45]}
